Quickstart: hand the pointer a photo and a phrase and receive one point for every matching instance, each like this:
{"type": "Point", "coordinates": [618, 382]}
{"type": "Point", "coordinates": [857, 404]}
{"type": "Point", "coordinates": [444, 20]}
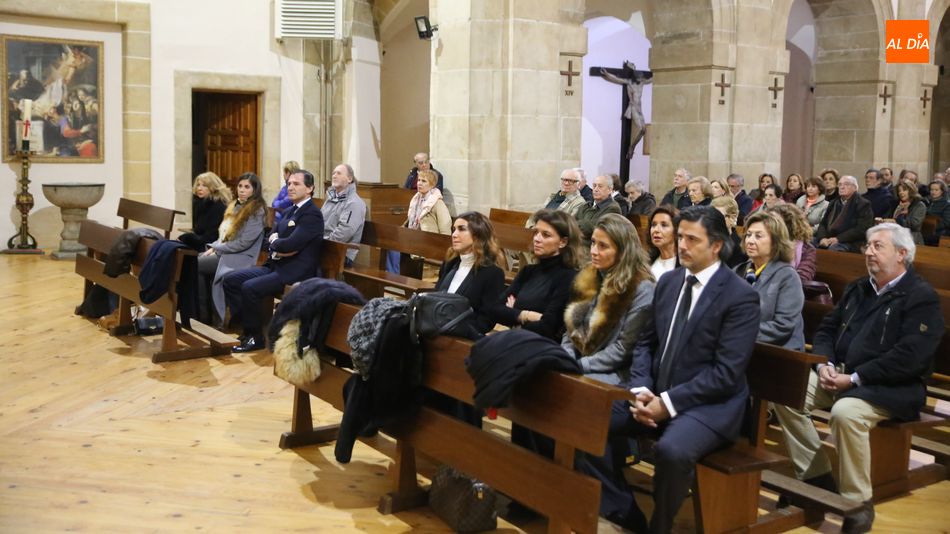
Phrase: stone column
{"type": "Point", "coordinates": [503, 120]}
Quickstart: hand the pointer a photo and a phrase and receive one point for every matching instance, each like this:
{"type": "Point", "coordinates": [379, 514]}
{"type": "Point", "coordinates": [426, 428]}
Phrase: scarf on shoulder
{"type": "Point", "coordinates": [421, 205]}
{"type": "Point", "coordinates": [593, 313]}
{"type": "Point", "coordinates": [234, 218]}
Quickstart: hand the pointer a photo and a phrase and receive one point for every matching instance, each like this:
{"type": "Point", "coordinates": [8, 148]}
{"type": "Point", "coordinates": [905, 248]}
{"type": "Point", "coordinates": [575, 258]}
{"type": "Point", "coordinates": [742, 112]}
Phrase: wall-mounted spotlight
{"type": "Point", "coordinates": [425, 30]}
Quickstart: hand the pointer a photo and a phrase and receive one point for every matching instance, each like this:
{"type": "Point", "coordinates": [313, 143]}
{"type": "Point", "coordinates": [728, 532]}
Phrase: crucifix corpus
{"type": "Point", "coordinates": [634, 125]}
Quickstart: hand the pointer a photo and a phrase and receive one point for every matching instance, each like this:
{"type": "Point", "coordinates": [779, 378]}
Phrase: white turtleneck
{"type": "Point", "coordinates": [465, 267]}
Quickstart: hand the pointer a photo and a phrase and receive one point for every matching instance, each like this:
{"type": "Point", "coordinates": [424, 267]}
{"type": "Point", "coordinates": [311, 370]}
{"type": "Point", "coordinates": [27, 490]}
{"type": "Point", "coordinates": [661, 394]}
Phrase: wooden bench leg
{"type": "Point", "coordinates": [302, 432]}
{"type": "Point", "coordinates": [725, 503]}
{"type": "Point", "coordinates": [408, 494]}
{"type": "Point", "coordinates": [890, 463]}
{"type": "Point", "coordinates": [124, 326]}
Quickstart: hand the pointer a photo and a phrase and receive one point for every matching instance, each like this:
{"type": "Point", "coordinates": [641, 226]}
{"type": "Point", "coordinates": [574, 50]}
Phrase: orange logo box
{"type": "Point", "coordinates": [907, 41]}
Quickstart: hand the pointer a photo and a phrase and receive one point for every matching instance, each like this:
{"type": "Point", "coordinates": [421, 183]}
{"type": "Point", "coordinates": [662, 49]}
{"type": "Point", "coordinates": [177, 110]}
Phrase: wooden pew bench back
{"type": "Point", "coordinates": [147, 214]}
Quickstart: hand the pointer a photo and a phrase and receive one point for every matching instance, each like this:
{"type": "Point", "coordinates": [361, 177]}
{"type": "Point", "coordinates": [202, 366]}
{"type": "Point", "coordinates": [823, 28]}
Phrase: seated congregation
{"type": "Point", "coordinates": [666, 301]}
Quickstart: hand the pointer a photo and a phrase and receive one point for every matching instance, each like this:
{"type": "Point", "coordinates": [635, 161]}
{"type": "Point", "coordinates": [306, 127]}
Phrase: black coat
{"type": "Point", "coordinates": [683, 203]}
{"type": "Point", "coordinates": [882, 201]}
{"type": "Point", "coordinates": [545, 288]}
{"type": "Point", "coordinates": [643, 205]}
{"type": "Point", "coordinates": [482, 287]}
{"type": "Point", "coordinates": [852, 225]}
{"type": "Point", "coordinates": [206, 217]}
{"type": "Point", "coordinates": [891, 347]}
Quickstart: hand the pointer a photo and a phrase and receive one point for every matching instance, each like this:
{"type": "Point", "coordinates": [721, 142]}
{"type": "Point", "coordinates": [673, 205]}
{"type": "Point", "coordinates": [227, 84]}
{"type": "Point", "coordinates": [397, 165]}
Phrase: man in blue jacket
{"type": "Point", "coordinates": [688, 373]}
{"type": "Point", "coordinates": [294, 256]}
{"type": "Point", "coordinates": [880, 341]}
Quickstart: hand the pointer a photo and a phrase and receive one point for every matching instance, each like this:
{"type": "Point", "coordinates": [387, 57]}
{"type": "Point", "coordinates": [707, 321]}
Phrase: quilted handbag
{"type": "Point", "coordinates": [465, 504]}
{"type": "Point", "coordinates": [439, 313]}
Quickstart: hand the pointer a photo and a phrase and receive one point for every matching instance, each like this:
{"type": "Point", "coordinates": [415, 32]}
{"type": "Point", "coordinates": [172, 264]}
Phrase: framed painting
{"type": "Point", "coordinates": [58, 84]}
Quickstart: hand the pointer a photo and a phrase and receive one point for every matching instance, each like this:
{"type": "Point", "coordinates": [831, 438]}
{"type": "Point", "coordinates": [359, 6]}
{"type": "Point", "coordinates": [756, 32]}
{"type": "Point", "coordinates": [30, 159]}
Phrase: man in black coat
{"type": "Point", "coordinates": [678, 197]}
{"type": "Point", "coordinates": [735, 183]}
{"type": "Point", "coordinates": [879, 194]}
{"type": "Point", "coordinates": [294, 256]}
{"type": "Point", "coordinates": [421, 162]}
{"type": "Point", "coordinates": [846, 219]}
{"type": "Point", "coordinates": [880, 341]}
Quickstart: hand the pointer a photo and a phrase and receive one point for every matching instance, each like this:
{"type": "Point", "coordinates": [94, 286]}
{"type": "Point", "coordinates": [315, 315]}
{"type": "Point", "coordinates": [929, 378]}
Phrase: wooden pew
{"type": "Point", "coordinates": [200, 340]}
{"type": "Point", "coordinates": [371, 281]}
{"type": "Point", "coordinates": [518, 242]}
{"type": "Point", "coordinates": [512, 217]}
{"type": "Point", "coordinates": [838, 269]}
{"type": "Point", "coordinates": [147, 214]}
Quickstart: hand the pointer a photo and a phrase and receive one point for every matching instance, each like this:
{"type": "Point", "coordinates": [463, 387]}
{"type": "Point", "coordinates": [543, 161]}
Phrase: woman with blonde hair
{"type": "Point", "coordinates": [241, 234]}
{"type": "Point", "coordinates": [781, 297]}
{"type": "Point", "coordinates": [209, 199]}
{"type": "Point", "coordinates": [718, 187]}
{"type": "Point", "coordinates": [804, 259]}
{"type": "Point", "coordinates": [611, 301]}
{"type": "Point", "coordinates": [472, 267]}
{"type": "Point", "coordinates": [698, 190]}
{"type": "Point", "coordinates": [730, 210]}
{"type": "Point", "coordinates": [427, 210]}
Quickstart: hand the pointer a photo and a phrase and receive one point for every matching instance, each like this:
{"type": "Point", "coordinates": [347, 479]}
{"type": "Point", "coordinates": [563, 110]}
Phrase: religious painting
{"type": "Point", "coordinates": [52, 96]}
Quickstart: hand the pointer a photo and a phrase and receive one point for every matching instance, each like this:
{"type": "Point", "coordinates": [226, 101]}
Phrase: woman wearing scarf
{"type": "Point", "coordinates": [427, 212]}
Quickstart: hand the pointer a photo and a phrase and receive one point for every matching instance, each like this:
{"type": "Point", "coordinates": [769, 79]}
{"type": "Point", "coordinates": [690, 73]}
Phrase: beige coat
{"type": "Point", "coordinates": [437, 220]}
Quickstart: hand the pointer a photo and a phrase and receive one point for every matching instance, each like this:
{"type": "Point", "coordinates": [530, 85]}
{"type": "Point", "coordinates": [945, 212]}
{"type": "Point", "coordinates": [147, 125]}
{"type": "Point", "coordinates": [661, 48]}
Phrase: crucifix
{"type": "Point", "coordinates": [722, 85]}
{"type": "Point", "coordinates": [925, 99]}
{"type": "Point", "coordinates": [885, 96]}
{"type": "Point", "coordinates": [633, 123]}
{"type": "Point", "coordinates": [775, 89]}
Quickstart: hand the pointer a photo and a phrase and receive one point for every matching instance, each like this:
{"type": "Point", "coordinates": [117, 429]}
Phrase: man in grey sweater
{"type": "Point", "coordinates": [344, 212]}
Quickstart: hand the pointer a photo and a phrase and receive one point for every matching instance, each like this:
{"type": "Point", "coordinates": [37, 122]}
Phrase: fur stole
{"type": "Point", "coordinates": [590, 329]}
{"type": "Point", "coordinates": [233, 222]}
{"type": "Point", "coordinates": [298, 370]}
{"type": "Point", "coordinates": [421, 205]}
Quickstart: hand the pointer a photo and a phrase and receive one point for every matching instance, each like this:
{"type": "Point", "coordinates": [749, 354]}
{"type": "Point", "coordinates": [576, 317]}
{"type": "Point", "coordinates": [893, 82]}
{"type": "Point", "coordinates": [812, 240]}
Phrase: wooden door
{"type": "Point", "coordinates": [227, 133]}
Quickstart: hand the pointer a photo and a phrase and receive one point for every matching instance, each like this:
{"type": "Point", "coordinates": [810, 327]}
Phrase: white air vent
{"type": "Point", "coordinates": [308, 19]}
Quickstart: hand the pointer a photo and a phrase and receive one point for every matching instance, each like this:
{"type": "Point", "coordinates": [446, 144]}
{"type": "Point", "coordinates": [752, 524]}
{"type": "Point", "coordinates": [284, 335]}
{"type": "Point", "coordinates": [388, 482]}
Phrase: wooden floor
{"type": "Point", "coordinates": [95, 438]}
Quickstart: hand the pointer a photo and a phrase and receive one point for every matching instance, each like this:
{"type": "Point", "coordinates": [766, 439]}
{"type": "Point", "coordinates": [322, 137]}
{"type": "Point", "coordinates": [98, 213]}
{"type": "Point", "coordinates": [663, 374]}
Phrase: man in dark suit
{"type": "Point", "coordinates": [735, 183]}
{"type": "Point", "coordinates": [880, 341]}
{"type": "Point", "coordinates": [294, 256]}
{"type": "Point", "coordinates": [688, 373]}
{"type": "Point", "coordinates": [846, 220]}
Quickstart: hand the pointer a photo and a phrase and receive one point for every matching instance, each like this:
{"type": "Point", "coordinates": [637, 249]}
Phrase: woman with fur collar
{"type": "Point", "coordinates": [611, 301]}
{"type": "Point", "coordinates": [242, 232]}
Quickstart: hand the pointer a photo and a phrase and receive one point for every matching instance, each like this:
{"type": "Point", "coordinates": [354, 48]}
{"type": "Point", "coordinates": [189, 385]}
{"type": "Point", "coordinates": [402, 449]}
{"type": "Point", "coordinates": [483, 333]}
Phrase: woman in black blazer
{"type": "Point", "coordinates": [471, 267]}
{"type": "Point", "coordinates": [538, 295]}
{"type": "Point", "coordinates": [209, 200]}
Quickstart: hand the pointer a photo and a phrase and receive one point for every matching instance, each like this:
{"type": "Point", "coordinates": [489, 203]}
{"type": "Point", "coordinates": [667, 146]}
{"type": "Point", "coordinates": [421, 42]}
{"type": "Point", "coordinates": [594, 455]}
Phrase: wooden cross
{"type": "Point", "coordinates": [925, 99]}
{"type": "Point", "coordinates": [722, 85]}
{"type": "Point", "coordinates": [570, 73]}
{"type": "Point", "coordinates": [885, 96]}
{"type": "Point", "coordinates": [775, 89]}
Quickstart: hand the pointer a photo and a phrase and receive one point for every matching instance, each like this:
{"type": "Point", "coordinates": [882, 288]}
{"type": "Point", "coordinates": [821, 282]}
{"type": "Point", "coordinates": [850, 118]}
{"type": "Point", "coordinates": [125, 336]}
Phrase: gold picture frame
{"type": "Point", "coordinates": [64, 80]}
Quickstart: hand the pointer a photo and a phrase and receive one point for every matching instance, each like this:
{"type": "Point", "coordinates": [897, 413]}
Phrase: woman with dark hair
{"type": "Point", "coordinates": [471, 267]}
{"type": "Point", "coordinates": [611, 301]}
{"type": "Point", "coordinates": [765, 179]}
{"type": "Point", "coordinates": [911, 210]}
{"type": "Point", "coordinates": [241, 231]}
{"type": "Point", "coordinates": [661, 249]}
{"type": "Point", "coordinates": [771, 197]}
{"type": "Point", "coordinates": [830, 177]}
{"type": "Point", "coordinates": [209, 199]}
{"type": "Point", "coordinates": [794, 188]}
{"type": "Point", "coordinates": [781, 297]}
{"type": "Point", "coordinates": [813, 203]}
{"type": "Point", "coordinates": [940, 208]}
{"type": "Point", "coordinates": [804, 258]}
{"type": "Point", "coordinates": [538, 295]}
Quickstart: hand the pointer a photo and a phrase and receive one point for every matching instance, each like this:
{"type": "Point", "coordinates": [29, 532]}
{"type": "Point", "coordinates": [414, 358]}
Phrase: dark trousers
{"type": "Point", "coordinates": [680, 443]}
{"type": "Point", "coordinates": [245, 289]}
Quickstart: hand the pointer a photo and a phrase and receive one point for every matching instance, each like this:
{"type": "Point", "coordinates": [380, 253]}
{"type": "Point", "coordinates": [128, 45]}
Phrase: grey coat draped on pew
{"type": "Point", "coordinates": [238, 253]}
{"type": "Point", "coordinates": [781, 300]}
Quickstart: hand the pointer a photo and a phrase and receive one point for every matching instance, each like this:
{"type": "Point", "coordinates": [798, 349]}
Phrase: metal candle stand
{"type": "Point", "coordinates": [23, 242]}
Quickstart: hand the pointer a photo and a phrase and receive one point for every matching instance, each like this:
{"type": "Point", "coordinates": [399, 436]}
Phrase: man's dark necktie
{"type": "Point", "coordinates": [678, 326]}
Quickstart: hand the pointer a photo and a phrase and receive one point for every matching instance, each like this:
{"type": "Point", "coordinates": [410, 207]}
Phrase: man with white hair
{"type": "Point", "coordinates": [567, 199]}
{"type": "Point", "coordinates": [678, 197]}
{"type": "Point", "coordinates": [642, 202]}
{"type": "Point", "coordinates": [846, 219]}
{"type": "Point", "coordinates": [880, 341]}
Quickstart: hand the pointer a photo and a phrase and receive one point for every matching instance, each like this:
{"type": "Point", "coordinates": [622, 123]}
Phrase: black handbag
{"type": "Point", "coordinates": [148, 326]}
{"type": "Point", "coordinates": [819, 292]}
{"type": "Point", "coordinates": [465, 504]}
{"type": "Point", "coordinates": [439, 313]}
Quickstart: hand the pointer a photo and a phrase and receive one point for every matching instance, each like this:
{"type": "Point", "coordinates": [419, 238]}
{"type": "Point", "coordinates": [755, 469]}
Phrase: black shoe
{"type": "Point", "coordinates": [250, 344]}
{"type": "Point", "coordinates": [859, 522]}
{"type": "Point", "coordinates": [633, 520]}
